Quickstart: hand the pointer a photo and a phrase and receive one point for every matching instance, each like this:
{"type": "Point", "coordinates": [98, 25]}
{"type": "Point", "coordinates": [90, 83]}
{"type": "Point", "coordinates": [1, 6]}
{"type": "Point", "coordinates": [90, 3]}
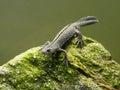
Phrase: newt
{"type": "Point", "coordinates": [66, 34]}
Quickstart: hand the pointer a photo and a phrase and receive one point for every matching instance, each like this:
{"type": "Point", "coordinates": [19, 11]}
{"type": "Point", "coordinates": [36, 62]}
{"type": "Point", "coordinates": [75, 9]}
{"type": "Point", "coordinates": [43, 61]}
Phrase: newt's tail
{"type": "Point", "coordinates": [87, 21]}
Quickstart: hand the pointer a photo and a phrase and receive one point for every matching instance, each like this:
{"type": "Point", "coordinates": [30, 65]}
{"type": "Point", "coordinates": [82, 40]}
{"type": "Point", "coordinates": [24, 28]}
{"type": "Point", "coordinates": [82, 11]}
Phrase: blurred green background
{"type": "Point", "coordinates": [29, 23]}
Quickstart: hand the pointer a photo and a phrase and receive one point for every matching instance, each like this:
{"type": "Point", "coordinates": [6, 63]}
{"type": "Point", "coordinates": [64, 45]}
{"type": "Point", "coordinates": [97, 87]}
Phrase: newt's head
{"type": "Point", "coordinates": [48, 50]}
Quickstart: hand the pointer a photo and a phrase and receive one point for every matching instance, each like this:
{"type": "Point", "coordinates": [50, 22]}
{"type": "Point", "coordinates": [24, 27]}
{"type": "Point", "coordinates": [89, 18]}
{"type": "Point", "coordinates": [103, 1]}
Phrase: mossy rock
{"type": "Point", "coordinates": [90, 68]}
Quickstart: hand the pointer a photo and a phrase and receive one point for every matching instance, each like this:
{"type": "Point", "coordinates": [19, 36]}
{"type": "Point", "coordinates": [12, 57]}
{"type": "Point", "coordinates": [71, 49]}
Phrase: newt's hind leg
{"type": "Point", "coordinates": [79, 40]}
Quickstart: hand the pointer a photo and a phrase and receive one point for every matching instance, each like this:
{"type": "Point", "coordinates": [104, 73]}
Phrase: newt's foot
{"type": "Point", "coordinates": [65, 60]}
{"type": "Point", "coordinates": [80, 43]}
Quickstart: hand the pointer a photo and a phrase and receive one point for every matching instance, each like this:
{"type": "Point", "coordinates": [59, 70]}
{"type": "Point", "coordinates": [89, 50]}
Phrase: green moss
{"type": "Point", "coordinates": [91, 67]}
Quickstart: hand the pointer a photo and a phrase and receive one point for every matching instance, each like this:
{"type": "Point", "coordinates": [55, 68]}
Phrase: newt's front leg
{"type": "Point", "coordinates": [65, 59]}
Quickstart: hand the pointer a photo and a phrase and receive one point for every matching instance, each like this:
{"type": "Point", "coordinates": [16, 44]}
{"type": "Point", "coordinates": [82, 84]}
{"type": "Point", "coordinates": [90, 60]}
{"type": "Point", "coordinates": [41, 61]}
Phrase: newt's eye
{"type": "Point", "coordinates": [49, 50]}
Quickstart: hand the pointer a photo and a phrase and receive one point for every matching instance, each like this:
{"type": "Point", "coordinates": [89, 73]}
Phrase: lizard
{"type": "Point", "coordinates": [67, 33]}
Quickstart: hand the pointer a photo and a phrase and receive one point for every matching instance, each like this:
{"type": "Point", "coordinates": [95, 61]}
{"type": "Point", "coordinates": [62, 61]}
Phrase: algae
{"type": "Point", "coordinates": [90, 68]}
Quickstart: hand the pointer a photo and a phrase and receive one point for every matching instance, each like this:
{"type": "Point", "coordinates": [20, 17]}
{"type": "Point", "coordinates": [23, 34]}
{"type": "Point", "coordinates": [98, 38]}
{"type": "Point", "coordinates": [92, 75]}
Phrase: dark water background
{"type": "Point", "coordinates": [29, 23]}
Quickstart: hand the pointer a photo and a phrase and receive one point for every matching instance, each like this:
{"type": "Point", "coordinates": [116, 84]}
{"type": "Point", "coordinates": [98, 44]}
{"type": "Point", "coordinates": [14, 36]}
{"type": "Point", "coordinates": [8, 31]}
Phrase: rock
{"type": "Point", "coordinates": [90, 68]}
